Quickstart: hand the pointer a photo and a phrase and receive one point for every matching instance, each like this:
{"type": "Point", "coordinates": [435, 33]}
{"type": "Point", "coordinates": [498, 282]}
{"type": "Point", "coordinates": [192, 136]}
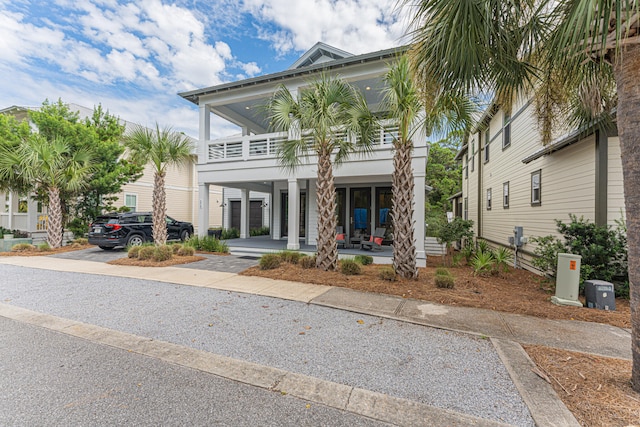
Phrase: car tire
{"type": "Point", "coordinates": [184, 235]}
{"type": "Point", "coordinates": [135, 240]}
{"type": "Point", "coordinates": [106, 248]}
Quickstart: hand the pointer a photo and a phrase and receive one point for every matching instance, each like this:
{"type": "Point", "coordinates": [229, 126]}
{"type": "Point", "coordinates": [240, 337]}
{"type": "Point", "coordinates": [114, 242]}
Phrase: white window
{"type": "Point", "coordinates": [466, 209]}
{"type": "Point", "coordinates": [536, 189]}
{"type": "Point", "coordinates": [505, 195]}
{"type": "Point", "coordinates": [489, 199]}
{"type": "Point", "coordinates": [473, 156]}
{"type": "Point", "coordinates": [506, 131]}
{"type": "Point", "coordinates": [131, 201]}
{"type": "Point", "coordinates": [486, 146]}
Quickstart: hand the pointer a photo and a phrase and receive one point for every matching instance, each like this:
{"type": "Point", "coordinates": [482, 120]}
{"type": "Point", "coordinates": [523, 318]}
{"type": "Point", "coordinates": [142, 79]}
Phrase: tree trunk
{"type": "Point", "coordinates": [54, 223]}
{"type": "Point", "coordinates": [404, 248]}
{"type": "Point", "coordinates": [159, 210]}
{"type": "Point", "coordinates": [627, 74]}
{"type": "Point", "coordinates": [327, 258]}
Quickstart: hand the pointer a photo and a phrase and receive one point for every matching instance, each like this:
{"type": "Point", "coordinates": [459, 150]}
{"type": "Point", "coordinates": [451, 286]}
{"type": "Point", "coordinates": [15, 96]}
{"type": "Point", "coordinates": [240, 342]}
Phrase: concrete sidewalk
{"type": "Point", "coordinates": [505, 330]}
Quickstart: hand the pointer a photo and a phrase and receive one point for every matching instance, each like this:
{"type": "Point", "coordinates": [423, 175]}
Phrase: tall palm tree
{"type": "Point", "coordinates": [330, 119]}
{"type": "Point", "coordinates": [161, 148]}
{"type": "Point", "coordinates": [413, 109]}
{"type": "Point", "coordinates": [47, 166]}
{"type": "Point", "coordinates": [518, 45]}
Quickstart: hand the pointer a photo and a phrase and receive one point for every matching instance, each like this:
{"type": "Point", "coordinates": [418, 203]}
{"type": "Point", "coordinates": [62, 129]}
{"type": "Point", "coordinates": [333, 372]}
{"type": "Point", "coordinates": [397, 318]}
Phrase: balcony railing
{"type": "Point", "coordinates": [252, 147]}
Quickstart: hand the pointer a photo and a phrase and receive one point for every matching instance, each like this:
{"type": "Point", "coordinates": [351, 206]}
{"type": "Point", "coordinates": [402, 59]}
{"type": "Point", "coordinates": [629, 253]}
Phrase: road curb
{"type": "Point", "coordinates": [378, 406]}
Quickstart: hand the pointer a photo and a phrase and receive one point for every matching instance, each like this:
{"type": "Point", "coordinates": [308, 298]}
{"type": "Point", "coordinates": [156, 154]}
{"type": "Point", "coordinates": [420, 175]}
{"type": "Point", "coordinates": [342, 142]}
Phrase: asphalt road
{"type": "Point", "coordinates": [52, 379]}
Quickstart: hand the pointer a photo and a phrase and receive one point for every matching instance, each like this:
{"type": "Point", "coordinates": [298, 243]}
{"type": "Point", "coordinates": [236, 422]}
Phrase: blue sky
{"type": "Point", "coordinates": [134, 57]}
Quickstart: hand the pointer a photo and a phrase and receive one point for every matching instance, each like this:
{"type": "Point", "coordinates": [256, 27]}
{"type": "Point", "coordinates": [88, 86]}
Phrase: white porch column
{"type": "Point", "coordinates": [205, 133]}
{"type": "Point", "coordinates": [203, 210]}
{"type": "Point", "coordinates": [32, 215]}
{"type": "Point", "coordinates": [418, 213]}
{"type": "Point", "coordinates": [12, 209]}
{"type": "Point", "coordinates": [293, 240]}
{"type": "Point", "coordinates": [244, 213]}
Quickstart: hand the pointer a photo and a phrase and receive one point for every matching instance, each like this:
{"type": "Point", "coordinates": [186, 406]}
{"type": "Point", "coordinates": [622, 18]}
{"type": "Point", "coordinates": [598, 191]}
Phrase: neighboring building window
{"type": "Point", "coordinates": [506, 131]}
{"type": "Point", "coordinates": [131, 201]}
{"type": "Point", "coordinates": [505, 195]}
{"type": "Point", "coordinates": [489, 199]}
{"type": "Point", "coordinates": [6, 202]}
{"type": "Point", "coordinates": [486, 146]}
{"type": "Point", "coordinates": [466, 167]}
{"type": "Point", "coordinates": [466, 208]}
{"type": "Point", "coordinates": [536, 190]}
{"type": "Point", "coordinates": [23, 204]}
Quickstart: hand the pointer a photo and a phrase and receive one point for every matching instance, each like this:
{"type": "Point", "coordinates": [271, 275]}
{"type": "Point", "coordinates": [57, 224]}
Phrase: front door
{"type": "Point", "coordinates": [360, 215]}
{"type": "Point", "coordinates": [284, 216]}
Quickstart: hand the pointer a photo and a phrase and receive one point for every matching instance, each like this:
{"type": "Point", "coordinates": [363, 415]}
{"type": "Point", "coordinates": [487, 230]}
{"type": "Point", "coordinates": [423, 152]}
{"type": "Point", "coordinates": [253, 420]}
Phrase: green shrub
{"type": "Point", "coordinates": [350, 267]}
{"type": "Point", "coordinates": [207, 244]}
{"type": "Point", "coordinates": [387, 273]}
{"type": "Point", "coordinates": [270, 261]}
{"type": "Point", "coordinates": [186, 251]}
{"type": "Point", "coordinates": [44, 247]}
{"type": "Point", "coordinates": [23, 247]}
{"type": "Point", "coordinates": [468, 252]}
{"type": "Point", "coordinates": [502, 259]}
{"type": "Point", "coordinates": [162, 253]}
{"type": "Point", "coordinates": [146, 253]}
{"type": "Point", "coordinates": [175, 247]}
{"type": "Point", "coordinates": [444, 281]}
{"type": "Point", "coordinates": [292, 257]}
{"type": "Point", "coordinates": [78, 227]}
{"type": "Point", "coordinates": [230, 233]}
{"type": "Point", "coordinates": [546, 259]}
{"type": "Point", "coordinates": [262, 231]}
{"type": "Point", "coordinates": [81, 241]}
{"type": "Point", "coordinates": [134, 251]}
{"type": "Point", "coordinates": [307, 262]}
{"type": "Point", "coordinates": [482, 263]}
{"type": "Point", "coordinates": [363, 259]}
{"type": "Point", "coordinates": [483, 246]}
{"type": "Point", "coordinates": [457, 260]}
{"type": "Point", "coordinates": [441, 271]}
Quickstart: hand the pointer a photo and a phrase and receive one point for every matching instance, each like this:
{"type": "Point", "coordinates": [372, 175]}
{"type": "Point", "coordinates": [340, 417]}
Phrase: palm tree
{"type": "Point", "coordinates": [330, 118]}
{"type": "Point", "coordinates": [521, 45]}
{"type": "Point", "coordinates": [405, 103]}
{"type": "Point", "coordinates": [47, 166]}
{"type": "Point", "coordinates": [161, 148]}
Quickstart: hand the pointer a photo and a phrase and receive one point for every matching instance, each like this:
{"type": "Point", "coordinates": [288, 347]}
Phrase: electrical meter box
{"type": "Point", "coordinates": [599, 294]}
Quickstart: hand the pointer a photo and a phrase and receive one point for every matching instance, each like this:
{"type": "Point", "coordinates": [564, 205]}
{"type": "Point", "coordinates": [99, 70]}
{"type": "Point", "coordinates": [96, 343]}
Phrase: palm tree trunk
{"type": "Point", "coordinates": [159, 210]}
{"type": "Point", "coordinates": [404, 248]}
{"type": "Point", "coordinates": [54, 225]}
{"type": "Point", "coordinates": [327, 258]}
{"type": "Point", "coordinates": [627, 74]}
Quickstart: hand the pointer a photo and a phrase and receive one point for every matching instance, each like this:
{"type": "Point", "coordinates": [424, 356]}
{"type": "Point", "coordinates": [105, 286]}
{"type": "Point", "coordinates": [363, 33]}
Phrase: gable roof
{"type": "Point", "coordinates": [319, 53]}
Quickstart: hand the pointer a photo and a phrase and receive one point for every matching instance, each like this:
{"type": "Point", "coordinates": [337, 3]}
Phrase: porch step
{"type": "Point", "coordinates": [432, 247]}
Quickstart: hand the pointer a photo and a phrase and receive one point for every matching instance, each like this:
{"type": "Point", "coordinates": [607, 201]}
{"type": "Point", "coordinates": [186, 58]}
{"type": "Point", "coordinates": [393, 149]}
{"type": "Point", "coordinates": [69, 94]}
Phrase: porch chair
{"type": "Point", "coordinates": [375, 241]}
{"type": "Point", "coordinates": [341, 239]}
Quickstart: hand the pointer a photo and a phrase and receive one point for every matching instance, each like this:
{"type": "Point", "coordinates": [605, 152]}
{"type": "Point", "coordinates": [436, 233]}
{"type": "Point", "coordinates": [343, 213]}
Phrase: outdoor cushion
{"type": "Point", "coordinates": [340, 236]}
{"type": "Point", "coordinates": [377, 240]}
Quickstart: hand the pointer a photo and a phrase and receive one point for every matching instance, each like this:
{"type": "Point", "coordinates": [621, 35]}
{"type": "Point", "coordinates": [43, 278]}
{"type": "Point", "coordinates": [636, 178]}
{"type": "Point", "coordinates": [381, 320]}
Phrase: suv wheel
{"type": "Point", "coordinates": [135, 240]}
{"type": "Point", "coordinates": [184, 235]}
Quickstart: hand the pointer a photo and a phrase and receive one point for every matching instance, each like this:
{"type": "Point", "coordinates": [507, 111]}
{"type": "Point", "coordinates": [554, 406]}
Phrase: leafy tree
{"type": "Point", "coordinates": [161, 148]}
{"type": "Point", "coordinates": [50, 166]}
{"type": "Point", "coordinates": [321, 116]}
{"type": "Point", "coordinates": [443, 175]}
{"type": "Point", "coordinates": [12, 132]}
{"type": "Point", "coordinates": [101, 132]}
{"type": "Point", "coordinates": [569, 52]}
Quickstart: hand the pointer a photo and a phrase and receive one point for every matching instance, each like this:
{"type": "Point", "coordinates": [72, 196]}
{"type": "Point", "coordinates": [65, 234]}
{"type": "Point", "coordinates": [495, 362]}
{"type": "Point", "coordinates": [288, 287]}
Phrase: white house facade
{"type": "Point", "coordinates": [247, 165]}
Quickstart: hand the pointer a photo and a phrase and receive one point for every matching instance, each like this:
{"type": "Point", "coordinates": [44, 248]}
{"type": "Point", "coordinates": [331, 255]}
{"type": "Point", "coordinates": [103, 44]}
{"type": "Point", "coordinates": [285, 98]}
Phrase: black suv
{"type": "Point", "coordinates": [132, 229]}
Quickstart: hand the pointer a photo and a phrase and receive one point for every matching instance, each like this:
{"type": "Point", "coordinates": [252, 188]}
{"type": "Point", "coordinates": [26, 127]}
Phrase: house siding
{"type": "Point", "coordinates": [615, 188]}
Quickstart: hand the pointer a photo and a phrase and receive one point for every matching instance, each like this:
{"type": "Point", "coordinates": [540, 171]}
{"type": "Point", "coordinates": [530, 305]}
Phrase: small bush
{"type": "Point", "coordinates": [22, 247]}
{"type": "Point", "coordinates": [482, 263]}
{"type": "Point", "coordinates": [502, 258]}
{"type": "Point", "coordinates": [387, 273]}
{"type": "Point", "coordinates": [483, 246]}
{"type": "Point", "coordinates": [44, 247]}
{"type": "Point", "coordinates": [350, 267]}
{"type": "Point", "coordinates": [146, 253]}
{"type": "Point", "coordinates": [262, 231]}
{"type": "Point", "coordinates": [176, 247]}
{"type": "Point", "coordinates": [186, 251]}
{"type": "Point", "coordinates": [441, 271]}
{"type": "Point", "coordinates": [363, 259]}
{"type": "Point", "coordinates": [134, 251]}
{"type": "Point", "coordinates": [270, 261]}
{"type": "Point", "coordinates": [444, 282]}
{"type": "Point", "coordinates": [207, 244]}
{"type": "Point", "coordinates": [81, 241]}
{"type": "Point", "coordinates": [457, 260]}
{"type": "Point", "coordinates": [162, 253]}
{"type": "Point", "coordinates": [291, 257]}
{"type": "Point", "coordinates": [230, 233]}
{"type": "Point", "coordinates": [307, 262]}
